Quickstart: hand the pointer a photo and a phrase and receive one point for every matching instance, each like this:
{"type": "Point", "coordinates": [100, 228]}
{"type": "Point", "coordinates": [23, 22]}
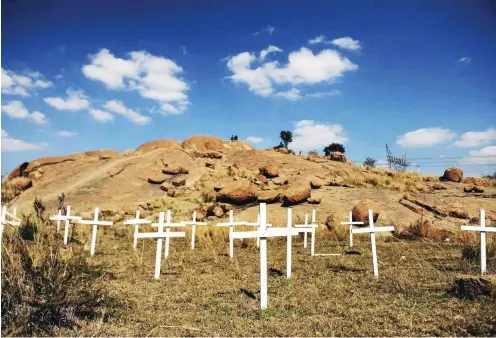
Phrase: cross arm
{"type": "Point", "coordinates": [95, 222]}
{"type": "Point", "coordinates": [478, 228]}
{"type": "Point", "coordinates": [167, 225]}
{"type": "Point", "coordinates": [369, 230]}
{"type": "Point", "coordinates": [312, 225]}
{"type": "Point", "coordinates": [137, 221]}
{"type": "Point", "coordinates": [351, 223]}
{"type": "Point", "coordinates": [159, 234]}
{"type": "Point", "coordinates": [194, 223]}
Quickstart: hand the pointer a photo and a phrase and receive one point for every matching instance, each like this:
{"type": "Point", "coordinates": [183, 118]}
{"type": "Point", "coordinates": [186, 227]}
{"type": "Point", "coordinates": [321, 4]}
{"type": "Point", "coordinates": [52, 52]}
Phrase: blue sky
{"type": "Point", "coordinates": [417, 75]}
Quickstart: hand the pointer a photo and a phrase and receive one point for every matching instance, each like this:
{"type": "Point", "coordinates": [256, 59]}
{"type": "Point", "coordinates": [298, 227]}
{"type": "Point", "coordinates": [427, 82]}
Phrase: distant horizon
{"type": "Point", "coordinates": [418, 76]}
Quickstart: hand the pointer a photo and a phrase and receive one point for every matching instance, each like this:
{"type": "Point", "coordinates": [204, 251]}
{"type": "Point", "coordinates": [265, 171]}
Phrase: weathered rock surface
{"type": "Point", "coordinates": [360, 212]}
{"type": "Point", "coordinates": [338, 156]}
{"type": "Point", "coordinates": [453, 175]}
{"type": "Point", "coordinates": [269, 171]}
{"type": "Point", "coordinates": [296, 194]}
{"type": "Point", "coordinates": [156, 179]}
{"type": "Point", "coordinates": [240, 192]}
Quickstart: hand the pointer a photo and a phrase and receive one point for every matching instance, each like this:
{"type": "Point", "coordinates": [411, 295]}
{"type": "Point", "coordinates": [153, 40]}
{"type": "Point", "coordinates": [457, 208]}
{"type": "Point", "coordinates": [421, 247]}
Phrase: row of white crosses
{"type": "Point", "coordinates": [231, 225]}
{"type": "Point", "coordinates": [77, 219]}
{"type": "Point", "coordinates": [482, 229]}
{"type": "Point", "coordinates": [9, 218]}
{"type": "Point", "coordinates": [308, 228]}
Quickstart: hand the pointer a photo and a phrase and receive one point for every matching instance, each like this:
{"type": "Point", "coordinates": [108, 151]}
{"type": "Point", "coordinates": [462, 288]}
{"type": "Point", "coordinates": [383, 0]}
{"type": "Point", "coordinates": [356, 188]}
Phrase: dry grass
{"type": "Point", "coordinates": [382, 178]}
{"type": "Point", "coordinates": [203, 292]}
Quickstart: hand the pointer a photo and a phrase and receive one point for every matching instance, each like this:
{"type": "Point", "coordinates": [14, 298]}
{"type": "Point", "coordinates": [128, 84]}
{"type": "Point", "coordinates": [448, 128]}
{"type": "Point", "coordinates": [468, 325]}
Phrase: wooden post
{"type": "Point", "coordinates": [305, 235]}
{"type": "Point", "coordinates": [288, 244]}
{"type": "Point", "coordinates": [158, 257]}
{"type": "Point", "coordinates": [167, 230]}
{"type": "Point", "coordinates": [312, 243]}
{"type": "Point", "coordinates": [193, 231]}
{"type": "Point", "coordinates": [483, 241]}
{"type": "Point", "coordinates": [231, 239]}
{"type": "Point", "coordinates": [263, 256]}
{"type": "Point", "coordinates": [93, 235]}
{"type": "Point", "coordinates": [136, 230]}
{"type": "Point", "coordinates": [66, 228]}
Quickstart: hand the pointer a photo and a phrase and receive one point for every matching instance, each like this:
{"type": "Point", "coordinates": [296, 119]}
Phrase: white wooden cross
{"type": "Point", "coordinates": [371, 230]}
{"type": "Point", "coordinates": [95, 222]}
{"type": "Point", "coordinates": [136, 222]}
{"type": "Point", "coordinates": [193, 224]}
{"type": "Point", "coordinates": [168, 224]}
{"type": "Point", "coordinates": [308, 228]}
{"type": "Point", "coordinates": [14, 221]}
{"type": "Point", "coordinates": [350, 223]}
{"type": "Point", "coordinates": [159, 236]}
{"type": "Point", "coordinates": [263, 232]}
{"type": "Point", "coordinates": [231, 225]}
{"type": "Point", "coordinates": [482, 229]}
{"type": "Point", "coordinates": [67, 218]}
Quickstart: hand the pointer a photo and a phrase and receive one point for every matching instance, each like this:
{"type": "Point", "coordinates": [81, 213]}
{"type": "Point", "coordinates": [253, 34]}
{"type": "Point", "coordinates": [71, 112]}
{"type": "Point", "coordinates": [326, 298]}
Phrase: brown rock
{"type": "Point", "coordinates": [204, 143]}
{"type": "Point", "coordinates": [18, 171]}
{"type": "Point", "coordinates": [171, 192]}
{"type": "Point", "coordinates": [269, 171]}
{"type": "Point", "coordinates": [260, 180]}
{"type": "Point", "coordinates": [458, 212]}
{"type": "Point", "coordinates": [332, 221]}
{"type": "Point", "coordinates": [413, 207]}
{"type": "Point", "coordinates": [270, 196]}
{"type": "Point", "coordinates": [452, 174]}
{"type": "Point", "coordinates": [178, 181]}
{"type": "Point", "coordinates": [281, 180]}
{"type": "Point", "coordinates": [166, 186]}
{"type": "Point", "coordinates": [360, 212]}
{"type": "Point", "coordinates": [470, 180]}
{"type": "Point", "coordinates": [21, 183]}
{"type": "Point", "coordinates": [282, 150]}
{"type": "Point", "coordinates": [158, 144]}
{"type": "Point", "coordinates": [218, 186]}
{"type": "Point", "coordinates": [237, 193]}
{"type": "Point", "coordinates": [210, 164]}
{"type": "Point", "coordinates": [156, 179]}
{"type": "Point", "coordinates": [338, 156]}
{"type": "Point", "coordinates": [296, 194]}
{"type": "Point", "coordinates": [232, 171]}
{"type": "Point", "coordinates": [438, 186]}
{"type": "Point", "coordinates": [175, 170]}
{"type": "Point", "coordinates": [473, 188]}
{"type": "Point", "coordinates": [313, 200]}
{"type": "Point", "coordinates": [430, 179]}
{"type": "Point", "coordinates": [209, 154]}
{"type": "Point", "coordinates": [215, 210]}
{"type": "Point", "coordinates": [316, 183]}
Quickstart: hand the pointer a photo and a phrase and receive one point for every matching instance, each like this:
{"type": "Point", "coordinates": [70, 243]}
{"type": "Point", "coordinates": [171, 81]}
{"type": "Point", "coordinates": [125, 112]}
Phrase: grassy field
{"type": "Point", "coordinates": [204, 293]}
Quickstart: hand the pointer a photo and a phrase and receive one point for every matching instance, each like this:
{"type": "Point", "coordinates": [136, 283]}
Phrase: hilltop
{"type": "Point", "coordinates": [208, 174]}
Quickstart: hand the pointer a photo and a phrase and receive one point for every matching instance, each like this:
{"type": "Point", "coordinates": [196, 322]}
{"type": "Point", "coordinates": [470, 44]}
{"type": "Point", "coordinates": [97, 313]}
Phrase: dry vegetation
{"type": "Point", "coordinates": [51, 290]}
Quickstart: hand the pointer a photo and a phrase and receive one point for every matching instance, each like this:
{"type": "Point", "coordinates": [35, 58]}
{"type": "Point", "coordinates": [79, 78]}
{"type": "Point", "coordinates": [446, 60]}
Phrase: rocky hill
{"type": "Point", "coordinates": [211, 175]}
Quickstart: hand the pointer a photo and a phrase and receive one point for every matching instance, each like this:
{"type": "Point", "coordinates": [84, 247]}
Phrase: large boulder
{"type": "Point", "coordinates": [473, 188]}
{"type": "Point", "coordinates": [360, 212]}
{"type": "Point", "coordinates": [332, 221]}
{"type": "Point", "coordinates": [239, 192]}
{"type": "Point", "coordinates": [458, 212]}
{"type": "Point", "coordinates": [296, 194]}
{"type": "Point", "coordinates": [269, 171]}
{"type": "Point", "coordinates": [18, 171]}
{"type": "Point", "coordinates": [204, 143]}
{"type": "Point", "coordinates": [452, 174]}
{"type": "Point", "coordinates": [338, 156]}
{"type": "Point", "coordinates": [175, 170]}
{"type": "Point", "coordinates": [158, 144]}
{"type": "Point", "coordinates": [470, 180]}
{"type": "Point", "coordinates": [21, 183]}
{"type": "Point", "coordinates": [270, 196]}
{"type": "Point", "coordinates": [156, 179]}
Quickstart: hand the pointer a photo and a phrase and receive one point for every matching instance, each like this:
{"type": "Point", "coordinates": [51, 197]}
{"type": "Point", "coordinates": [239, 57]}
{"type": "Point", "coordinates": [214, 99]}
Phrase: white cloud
{"type": "Point", "coordinates": [425, 137]}
{"type": "Point", "coordinates": [38, 118]}
{"type": "Point", "coordinates": [65, 133]}
{"type": "Point", "coordinates": [317, 39]}
{"type": "Point", "coordinates": [295, 94]}
{"type": "Point", "coordinates": [344, 42]}
{"type": "Point", "coordinates": [269, 29]}
{"type": "Point", "coordinates": [465, 59]}
{"type": "Point", "coordinates": [118, 107]}
{"type": "Point", "coordinates": [347, 43]}
{"type": "Point", "coordinates": [486, 155]}
{"type": "Point", "coordinates": [76, 100]}
{"type": "Point", "coordinates": [303, 68]}
{"type": "Point", "coordinates": [268, 50]}
{"type": "Point", "coordinates": [21, 84]}
{"type": "Point", "coordinates": [10, 144]}
{"type": "Point", "coordinates": [153, 77]}
{"type": "Point", "coordinates": [476, 138]}
{"type": "Point", "coordinates": [309, 135]}
{"type": "Point", "coordinates": [101, 116]}
{"type": "Point", "coordinates": [17, 110]}
{"type": "Point", "coordinates": [254, 139]}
